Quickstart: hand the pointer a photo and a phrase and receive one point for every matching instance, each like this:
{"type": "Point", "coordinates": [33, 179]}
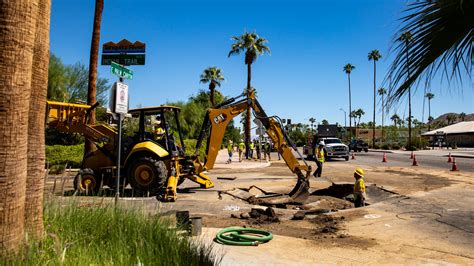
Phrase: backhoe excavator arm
{"type": "Point", "coordinates": [218, 118]}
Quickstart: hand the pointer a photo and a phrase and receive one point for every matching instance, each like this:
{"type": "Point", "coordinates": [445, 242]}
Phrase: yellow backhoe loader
{"type": "Point", "coordinates": [156, 163]}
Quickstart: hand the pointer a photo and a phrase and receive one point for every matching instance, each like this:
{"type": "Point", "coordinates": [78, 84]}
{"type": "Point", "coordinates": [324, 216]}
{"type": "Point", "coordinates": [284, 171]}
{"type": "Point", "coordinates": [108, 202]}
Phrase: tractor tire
{"type": "Point", "coordinates": [346, 158]}
{"type": "Point", "coordinates": [146, 174]}
{"type": "Point", "coordinates": [86, 183]}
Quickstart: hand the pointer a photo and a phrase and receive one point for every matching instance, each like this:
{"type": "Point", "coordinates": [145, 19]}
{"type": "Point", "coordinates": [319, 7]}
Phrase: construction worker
{"type": "Point", "coordinates": [359, 188]}
{"type": "Point", "coordinates": [252, 147]}
{"type": "Point", "coordinates": [159, 132]}
{"type": "Point", "coordinates": [266, 149]}
{"type": "Point", "coordinates": [230, 149]}
{"type": "Point", "coordinates": [319, 159]}
{"type": "Point", "coordinates": [241, 149]}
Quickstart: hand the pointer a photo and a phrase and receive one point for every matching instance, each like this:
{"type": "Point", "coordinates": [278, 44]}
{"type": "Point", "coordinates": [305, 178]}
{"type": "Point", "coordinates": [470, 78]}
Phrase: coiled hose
{"type": "Point", "coordinates": [239, 236]}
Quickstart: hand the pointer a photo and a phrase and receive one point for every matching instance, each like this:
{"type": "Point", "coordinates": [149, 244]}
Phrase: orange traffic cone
{"type": "Point", "coordinates": [384, 159]}
{"type": "Point", "coordinates": [455, 166]}
{"type": "Point", "coordinates": [415, 163]}
{"type": "Point", "coordinates": [411, 155]}
{"type": "Point", "coordinates": [450, 159]}
{"type": "Point", "coordinates": [353, 156]}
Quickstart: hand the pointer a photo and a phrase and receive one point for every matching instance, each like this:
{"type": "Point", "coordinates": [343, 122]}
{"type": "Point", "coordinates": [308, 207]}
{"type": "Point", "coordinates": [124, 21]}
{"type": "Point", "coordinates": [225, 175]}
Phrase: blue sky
{"type": "Point", "coordinates": [310, 42]}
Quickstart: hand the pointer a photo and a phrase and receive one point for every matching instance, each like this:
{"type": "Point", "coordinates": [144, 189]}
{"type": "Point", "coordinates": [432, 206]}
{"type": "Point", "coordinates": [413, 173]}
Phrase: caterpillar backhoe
{"type": "Point", "coordinates": [158, 165]}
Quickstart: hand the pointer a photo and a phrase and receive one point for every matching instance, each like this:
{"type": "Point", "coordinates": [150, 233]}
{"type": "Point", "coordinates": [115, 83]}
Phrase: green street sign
{"type": "Point", "coordinates": [123, 59]}
{"type": "Point", "coordinates": [121, 71]}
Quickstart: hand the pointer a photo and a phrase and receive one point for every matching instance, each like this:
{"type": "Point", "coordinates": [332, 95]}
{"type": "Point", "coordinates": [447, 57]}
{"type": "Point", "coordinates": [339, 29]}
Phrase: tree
{"type": "Point", "coordinates": [441, 37]}
{"type": "Point", "coordinates": [18, 29]}
{"type": "Point", "coordinates": [429, 96]}
{"type": "Point", "coordinates": [253, 46]}
{"type": "Point", "coordinates": [36, 127]}
{"type": "Point", "coordinates": [94, 58]}
{"type": "Point", "coordinates": [374, 55]}
{"type": "Point", "coordinates": [213, 76]}
{"type": "Point", "coordinates": [359, 113]}
{"type": "Point", "coordinates": [353, 114]}
{"type": "Point", "coordinates": [451, 119]}
{"type": "Point", "coordinates": [348, 69]}
{"type": "Point", "coordinates": [325, 122]}
{"type": "Point", "coordinates": [312, 120]}
{"type": "Point", "coordinates": [462, 116]}
{"type": "Point", "coordinates": [395, 118]}
{"type": "Point", "coordinates": [382, 92]}
{"type": "Point", "coordinates": [407, 38]}
{"type": "Point", "coordinates": [56, 78]}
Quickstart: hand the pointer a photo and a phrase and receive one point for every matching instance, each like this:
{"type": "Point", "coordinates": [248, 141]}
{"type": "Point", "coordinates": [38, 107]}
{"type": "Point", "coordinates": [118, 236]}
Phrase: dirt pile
{"type": "Point", "coordinates": [259, 216]}
{"type": "Point", "coordinates": [326, 224]}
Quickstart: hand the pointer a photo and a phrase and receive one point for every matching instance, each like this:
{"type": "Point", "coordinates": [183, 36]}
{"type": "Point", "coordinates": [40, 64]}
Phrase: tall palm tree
{"type": "Point", "coordinates": [462, 116]}
{"type": "Point", "coordinates": [429, 96]}
{"type": "Point", "coordinates": [359, 113]}
{"type": "Point", "coordinates": [36, 138]}
{"type": "Point", "coordinates": [348, 69]}
{"type": "Point", "coordinates": [17, 27]}
{"type": "Point", "coordinates": [94, 58]}
{"type": "Point", "coordinates": [382, 92]}
{"type": "Point", "coordinates": [407, 38]}
{"type": "Point", "coordinates": [253, 46]}
{"type": "Point", "coordinates": [395, 118]}
{"type": "Point", "coordinates": [353, 114]}
{"type": "Point", "coordinates": [441, 37]}
{"type": "Point", "coordinates": [214, 77]}
{"type": "Point", "coordinates": [312, 120]}
{"type": "Point", "coordinates": [374, 55]}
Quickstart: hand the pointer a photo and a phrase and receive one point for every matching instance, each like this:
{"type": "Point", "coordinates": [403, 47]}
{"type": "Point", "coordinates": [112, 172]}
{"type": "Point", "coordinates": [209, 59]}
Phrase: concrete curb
{"type": "Point", "coordinates": [386, 151]}
{"type": "Point", "coordinates": [460, 156]}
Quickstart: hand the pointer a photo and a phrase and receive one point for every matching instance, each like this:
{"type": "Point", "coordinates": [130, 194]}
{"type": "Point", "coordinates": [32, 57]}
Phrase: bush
{"type": "Point", "coordinates": [79, 234]}
{"type": "Point", "coordinates": [386, 146]}
{"type": "Point", "coordinates": [58, 155]}
{"type": "Point", "coordinates": [191, 148]}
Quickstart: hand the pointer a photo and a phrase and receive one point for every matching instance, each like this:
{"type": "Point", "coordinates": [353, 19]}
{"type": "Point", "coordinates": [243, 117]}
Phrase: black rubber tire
{"type": "Point", "coordinates": [366, 150]}
{"type": "Point", "coordinates": [85, 182]}
{"type": "Point", "coordinates": [347, 158]}
{"type": "Point", "coordinates": [146, 174]}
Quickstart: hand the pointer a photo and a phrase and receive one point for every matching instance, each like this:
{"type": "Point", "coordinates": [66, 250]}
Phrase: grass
{"type": "Point", "coordinates": [78, 235]}
{"type": "Point", "coordinates": [58, 155]}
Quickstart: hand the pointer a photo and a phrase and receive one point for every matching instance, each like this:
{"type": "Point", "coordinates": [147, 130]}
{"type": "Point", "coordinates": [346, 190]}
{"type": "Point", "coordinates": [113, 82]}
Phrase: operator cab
{"type": "Point", "coordinates": [159, 124]}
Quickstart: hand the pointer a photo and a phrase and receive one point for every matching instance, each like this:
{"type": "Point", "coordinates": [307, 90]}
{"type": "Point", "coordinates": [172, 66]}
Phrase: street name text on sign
{"type": "Point", "coordinates": [121, 71]}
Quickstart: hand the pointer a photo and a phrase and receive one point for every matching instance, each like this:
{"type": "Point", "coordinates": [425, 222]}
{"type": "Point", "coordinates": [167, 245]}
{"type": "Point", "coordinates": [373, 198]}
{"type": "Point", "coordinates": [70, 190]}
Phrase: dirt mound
{"type": "Point", "coordinates": [259, 216]}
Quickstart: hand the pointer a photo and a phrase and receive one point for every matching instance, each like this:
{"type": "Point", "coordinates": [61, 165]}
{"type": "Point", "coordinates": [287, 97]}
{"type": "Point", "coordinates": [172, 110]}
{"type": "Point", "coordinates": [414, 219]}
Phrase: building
{"type": "Point", "coordinates": [460, 134]}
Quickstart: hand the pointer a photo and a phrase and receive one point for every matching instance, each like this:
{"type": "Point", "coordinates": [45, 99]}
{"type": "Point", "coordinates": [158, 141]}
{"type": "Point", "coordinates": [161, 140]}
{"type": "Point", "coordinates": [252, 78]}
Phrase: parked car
{"type": "Point", "coordinates": [358, 145]}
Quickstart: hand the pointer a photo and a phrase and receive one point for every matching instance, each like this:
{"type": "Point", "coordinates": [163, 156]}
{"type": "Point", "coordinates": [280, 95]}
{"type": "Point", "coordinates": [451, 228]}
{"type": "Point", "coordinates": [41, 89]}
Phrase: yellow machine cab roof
{"type": "Point", "coordinates": [154, 109]}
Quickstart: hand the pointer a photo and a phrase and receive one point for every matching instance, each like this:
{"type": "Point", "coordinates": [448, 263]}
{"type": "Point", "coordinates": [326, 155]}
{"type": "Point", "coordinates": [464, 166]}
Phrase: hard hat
{"type": "Point", "coordinates": [359, 171]}
{"type": "Point", "coordinates": [321, 143]}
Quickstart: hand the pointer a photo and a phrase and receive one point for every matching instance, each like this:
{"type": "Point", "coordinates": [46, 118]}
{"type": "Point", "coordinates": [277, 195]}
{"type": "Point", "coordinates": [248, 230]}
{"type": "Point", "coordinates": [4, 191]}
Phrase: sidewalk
{"type": "Point", "coordinates": [459, 153]}
{"type": "Point", "coordinates": [222, 156]}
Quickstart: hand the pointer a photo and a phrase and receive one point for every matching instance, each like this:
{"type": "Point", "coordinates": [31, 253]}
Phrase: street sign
{"type": "Point", "coordinates": [124, 46]}
{"type": "Point", "coordinates": [121, 71]}
{"type": "Point", "coordinates": [123, 59]}
{"type": "Point", "coordinates": [121, 98]}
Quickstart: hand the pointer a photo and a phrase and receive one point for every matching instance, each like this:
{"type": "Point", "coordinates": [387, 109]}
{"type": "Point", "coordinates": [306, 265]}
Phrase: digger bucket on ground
{"type": "Point", "coordinates": [300, 192]}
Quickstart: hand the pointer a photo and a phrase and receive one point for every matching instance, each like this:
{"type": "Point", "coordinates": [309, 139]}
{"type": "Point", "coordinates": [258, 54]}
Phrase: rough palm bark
{"type": "Point", "coordinates": [36, 139]}
{"type": "Point", "coordinates": [17, 35]}
{"type": "Point", "coordinates": [248, 121]}
{"type": "Point", "coordinates": [94, 58]}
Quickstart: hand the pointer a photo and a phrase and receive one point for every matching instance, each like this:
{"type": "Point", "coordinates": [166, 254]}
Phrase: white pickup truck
{"type": "Point", "coordinates": [333, 148]}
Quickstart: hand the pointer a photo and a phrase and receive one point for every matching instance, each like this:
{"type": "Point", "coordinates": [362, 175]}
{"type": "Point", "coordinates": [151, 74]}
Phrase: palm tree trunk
{"type": "Point", "coordinates": [36, 154]}
{"type": "Point", "coordinates": [429, 114]}
{"type": "Point", "coordinates": [409, 102]}
{"type": "Point", "coordinates": [247, 117]}
{"type": "Point", "coordinates": [17, 27]}
{"type": "Point", "coordinates": [382, 118]}
{"type": "Point", "coordinates": [373, 120]}
{"type": "Point", "coordinates": [94, 58]}
{"type": "Point", "coordinates": [350, 106]}
{"type": "Point", "coordinates": [212, 87]}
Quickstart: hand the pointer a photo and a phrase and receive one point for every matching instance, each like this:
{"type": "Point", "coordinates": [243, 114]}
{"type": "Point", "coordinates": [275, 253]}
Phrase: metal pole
{"type": "Point", "coordinates": [119, 144]}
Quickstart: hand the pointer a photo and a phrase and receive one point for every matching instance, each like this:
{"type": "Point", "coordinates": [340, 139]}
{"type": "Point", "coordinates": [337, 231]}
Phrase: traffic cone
{"type": "Point", "coordinates": [353, 156]}
{"type": "Point", "coordinates": [415, 163]}
{"type": "Point", "coordinates": [455, 166]}
{"type": "Point", "coordinates": [411, 155]}
{"type": "Point", "coordinates": [450, 159]}
{"type": "Point", "coordinates": [384, 159]}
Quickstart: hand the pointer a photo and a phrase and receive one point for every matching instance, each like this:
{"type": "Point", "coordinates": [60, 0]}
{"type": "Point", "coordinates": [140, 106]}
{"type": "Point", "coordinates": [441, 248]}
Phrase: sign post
{"type": "Point", "coordinates": [120, 107]}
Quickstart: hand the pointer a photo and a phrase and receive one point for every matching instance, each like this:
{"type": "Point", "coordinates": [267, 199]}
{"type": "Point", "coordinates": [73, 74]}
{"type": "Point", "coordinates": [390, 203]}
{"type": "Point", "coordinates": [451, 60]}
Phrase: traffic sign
{"type": "Point", "coordinates": [121, 71]}
{"type": "Point", "coordinates": [123, 59]}
{"type": "Point", "coordinates": [121, 98]}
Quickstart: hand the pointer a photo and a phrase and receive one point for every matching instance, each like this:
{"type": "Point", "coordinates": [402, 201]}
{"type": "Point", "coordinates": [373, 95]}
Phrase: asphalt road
{"type": "Point", "coordinates": [427, 161]}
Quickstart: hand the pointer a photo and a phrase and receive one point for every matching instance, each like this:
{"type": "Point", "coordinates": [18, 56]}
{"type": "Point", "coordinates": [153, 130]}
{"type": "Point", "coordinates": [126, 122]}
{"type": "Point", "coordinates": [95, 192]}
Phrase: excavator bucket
{"type": "Point", "coordinates": [300, 192]}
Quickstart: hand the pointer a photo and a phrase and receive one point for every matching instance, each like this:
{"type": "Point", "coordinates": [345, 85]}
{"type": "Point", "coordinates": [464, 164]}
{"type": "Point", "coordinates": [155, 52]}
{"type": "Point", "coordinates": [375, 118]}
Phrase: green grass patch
{"type": "Point", "coordinates": [84, 235]}
{"type": "Point", "coordinates": [58, 155]}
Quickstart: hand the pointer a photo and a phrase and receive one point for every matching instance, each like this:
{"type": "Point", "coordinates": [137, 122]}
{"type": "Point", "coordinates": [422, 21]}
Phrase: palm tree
{"type": "Point", "coordinates": [359, 113]}
{"type": "Point", "coordinates": [353, 114]}
{"type": "Point", "coordinates": [348, 69]}
{"type": "Point", "coordinates": [462, 116]}
{"type": "Point", "coordinates": [442, 38]}
{"type": "Point", "coordinates": [253, 46]}
{"type": "Point", "coordinates": [451, 119]}
{"type": "Point", "coordinates": [325, 122]}
{"type": "Point", "coordinates": [375, 56]}
{"type": "Point", "coordinates": [93, 61]}
{"type": "Point", "coordinates": [312, 120]}
{"type": "Point", "coordinates": [395, 118]}
{"type": "Point", "coordinates": [429, 96]}
{"type": "Point", "coordinates": [213, 76]}
{"type": "Point", "coordinates": [36, 138]}
{"type": "Point", "coordinates": [17, 24]}
{"type": "Point", "coordinates": [382, 92]}
{"type": "Point", "coordinates": [407, 38]}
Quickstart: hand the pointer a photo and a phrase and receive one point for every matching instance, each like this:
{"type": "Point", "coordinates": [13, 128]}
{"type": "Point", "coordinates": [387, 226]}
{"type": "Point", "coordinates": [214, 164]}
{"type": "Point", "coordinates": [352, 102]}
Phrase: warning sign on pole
{"type": "Point", "coordinates": [121, 98]}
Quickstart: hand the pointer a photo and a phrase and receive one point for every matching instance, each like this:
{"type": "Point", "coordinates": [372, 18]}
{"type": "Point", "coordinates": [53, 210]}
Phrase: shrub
{"type": "Point", "coordinates": [58, 155]}
{"type": "Point", "coordinates": [386, 146]}
{"type": "Point", "coordinates": [80, 234]}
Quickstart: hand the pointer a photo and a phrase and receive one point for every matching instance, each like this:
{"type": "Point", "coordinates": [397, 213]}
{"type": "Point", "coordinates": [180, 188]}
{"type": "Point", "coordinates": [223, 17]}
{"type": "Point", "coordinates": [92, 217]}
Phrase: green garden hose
{"type": "Point", "coordinates": [240, 236]}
